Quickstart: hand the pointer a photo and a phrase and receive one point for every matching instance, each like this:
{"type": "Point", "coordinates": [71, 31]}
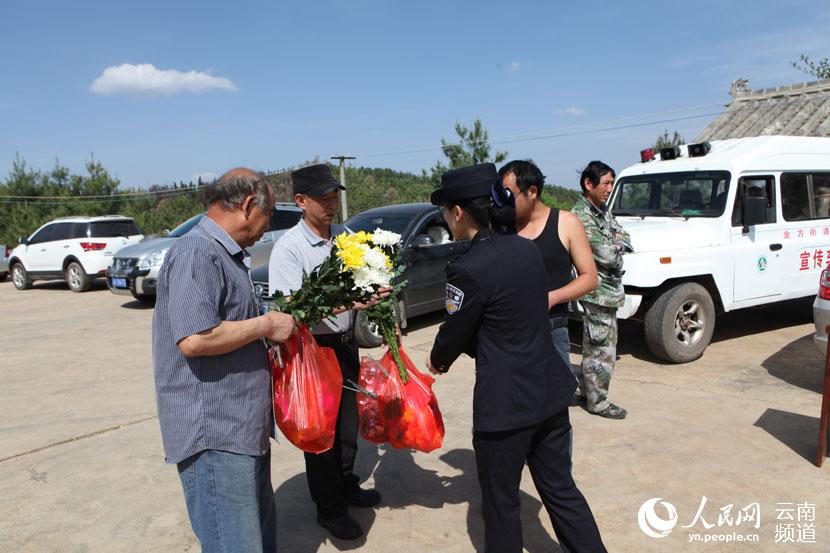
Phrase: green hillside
{"type": "Point", "coordinates": [31, 197]}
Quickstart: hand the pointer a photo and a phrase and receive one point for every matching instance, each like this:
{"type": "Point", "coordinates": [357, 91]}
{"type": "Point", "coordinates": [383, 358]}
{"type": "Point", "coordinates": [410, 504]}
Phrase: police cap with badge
{"type": "Point", "coordinates": [471, 182]}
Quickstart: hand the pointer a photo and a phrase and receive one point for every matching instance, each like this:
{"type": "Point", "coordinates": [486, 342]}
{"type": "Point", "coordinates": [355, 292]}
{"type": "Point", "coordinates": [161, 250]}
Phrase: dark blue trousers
{"type": "Point", "coordinates": [500, 458]}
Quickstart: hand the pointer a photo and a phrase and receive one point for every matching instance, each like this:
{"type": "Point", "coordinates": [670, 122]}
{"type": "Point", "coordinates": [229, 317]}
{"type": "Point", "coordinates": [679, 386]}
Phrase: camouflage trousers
{"type": "Point", "coordinates": [599, 353]}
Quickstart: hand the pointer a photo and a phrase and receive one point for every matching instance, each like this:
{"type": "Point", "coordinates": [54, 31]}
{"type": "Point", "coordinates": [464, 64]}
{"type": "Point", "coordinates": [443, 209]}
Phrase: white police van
{"type": "Point", "coordinates": [721, 226]}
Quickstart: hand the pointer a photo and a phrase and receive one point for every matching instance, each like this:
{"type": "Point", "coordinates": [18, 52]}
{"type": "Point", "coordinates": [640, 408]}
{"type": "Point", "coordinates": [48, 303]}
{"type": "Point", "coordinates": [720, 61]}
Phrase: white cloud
{"type": "Point", "coordinates": [206, 176]}
{"type": "Point", "coordinates": [514, 67]}
{"type": "Point", "coordinates": [145, 79]}
{"type": "Point", "coordinates": [570, 111]}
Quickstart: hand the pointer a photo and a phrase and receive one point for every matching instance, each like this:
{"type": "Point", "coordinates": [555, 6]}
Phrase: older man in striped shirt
{"type": "Point", "coordinates": [213, 378]}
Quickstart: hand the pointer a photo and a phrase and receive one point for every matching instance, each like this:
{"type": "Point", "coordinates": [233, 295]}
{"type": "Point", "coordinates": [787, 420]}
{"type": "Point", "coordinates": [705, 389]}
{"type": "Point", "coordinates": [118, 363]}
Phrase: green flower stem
{"type": "Point", "coordinates": [391, 337]}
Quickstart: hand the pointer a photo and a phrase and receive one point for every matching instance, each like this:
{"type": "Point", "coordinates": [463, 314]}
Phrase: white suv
{"type": "Point", "coordinates": [77, 249]}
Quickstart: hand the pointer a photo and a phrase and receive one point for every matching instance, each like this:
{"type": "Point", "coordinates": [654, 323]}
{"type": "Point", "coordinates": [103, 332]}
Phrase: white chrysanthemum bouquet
{"type": "Point", "coordinates": [358, 266]}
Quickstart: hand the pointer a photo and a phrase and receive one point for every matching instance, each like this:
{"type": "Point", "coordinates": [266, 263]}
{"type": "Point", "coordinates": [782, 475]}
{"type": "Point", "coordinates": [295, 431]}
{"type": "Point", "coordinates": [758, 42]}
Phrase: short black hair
{"type": "Point", "coordinates": [526, 172]}
{"type": "Point", "coordinates": [593, 172]}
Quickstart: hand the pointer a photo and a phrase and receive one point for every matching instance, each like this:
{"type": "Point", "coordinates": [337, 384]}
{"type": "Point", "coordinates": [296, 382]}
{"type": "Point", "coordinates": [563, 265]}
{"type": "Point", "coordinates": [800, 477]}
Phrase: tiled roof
{"type": "Point", "coordinates": [798, 110]}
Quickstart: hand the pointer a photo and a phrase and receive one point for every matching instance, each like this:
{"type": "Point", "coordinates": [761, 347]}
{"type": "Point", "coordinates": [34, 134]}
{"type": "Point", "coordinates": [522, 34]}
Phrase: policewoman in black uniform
{"type": "Point", "coordinates": [496, 312]}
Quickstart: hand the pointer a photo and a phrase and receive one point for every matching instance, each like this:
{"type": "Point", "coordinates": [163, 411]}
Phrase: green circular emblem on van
{"type": "Point", "coordinates": [762, 264]}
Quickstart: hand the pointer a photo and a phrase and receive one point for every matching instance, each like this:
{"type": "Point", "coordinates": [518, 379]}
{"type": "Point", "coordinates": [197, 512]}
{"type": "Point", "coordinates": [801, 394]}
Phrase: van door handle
{"type": "Point", "coordinates": [775, 247]}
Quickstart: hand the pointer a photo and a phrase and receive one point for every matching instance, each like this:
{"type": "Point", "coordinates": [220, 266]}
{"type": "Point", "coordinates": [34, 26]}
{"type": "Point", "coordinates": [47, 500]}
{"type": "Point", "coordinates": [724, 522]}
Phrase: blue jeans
{"type": "Point", "coordinates": [230, 501]}
{"type": "Point", "coordinates": [562, 343]}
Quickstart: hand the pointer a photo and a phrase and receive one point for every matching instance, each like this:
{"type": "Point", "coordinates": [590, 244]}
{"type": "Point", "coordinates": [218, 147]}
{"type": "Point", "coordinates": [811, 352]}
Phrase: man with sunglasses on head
{"type": "Point", "coordinates": [331, 480]}
{"type": "Point", "coordinates": [562, 241]}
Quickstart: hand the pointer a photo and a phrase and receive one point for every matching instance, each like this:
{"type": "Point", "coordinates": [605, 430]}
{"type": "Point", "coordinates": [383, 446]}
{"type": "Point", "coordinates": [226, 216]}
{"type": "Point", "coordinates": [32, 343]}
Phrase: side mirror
{"type": "Point", "coordinates": [753, 212]}
{"type": "Point", "coordinates": [165, 232]}
{"type": "Point", "coordinates": [422, 241]}
{"type": "Point", "coordinates": [23, 241]}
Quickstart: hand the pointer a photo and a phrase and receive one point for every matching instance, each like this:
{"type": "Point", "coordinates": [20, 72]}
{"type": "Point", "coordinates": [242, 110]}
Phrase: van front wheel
{"type": "Point", "coordinates": [680, 322]}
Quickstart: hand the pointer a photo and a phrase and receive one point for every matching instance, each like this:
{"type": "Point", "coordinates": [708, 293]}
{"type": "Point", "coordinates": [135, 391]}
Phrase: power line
{"type": "Point", "coordinates": [58, 200]}
{"type": "Point", "coordinates": [123, 196]}
{"type": "Point", "coordinates": [605, 129]}
{"type": "Point", "coordinates": [557, 132]}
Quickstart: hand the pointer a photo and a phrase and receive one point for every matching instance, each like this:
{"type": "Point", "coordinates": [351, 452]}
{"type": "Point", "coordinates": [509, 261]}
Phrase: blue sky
{"type": "Point", "coordinates": [273, 84]}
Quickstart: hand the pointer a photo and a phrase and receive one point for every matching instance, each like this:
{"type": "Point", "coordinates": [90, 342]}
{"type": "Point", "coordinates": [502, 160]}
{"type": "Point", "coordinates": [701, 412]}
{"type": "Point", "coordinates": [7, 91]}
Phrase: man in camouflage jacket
{"type": "Point", "coordinates": [609, 241]}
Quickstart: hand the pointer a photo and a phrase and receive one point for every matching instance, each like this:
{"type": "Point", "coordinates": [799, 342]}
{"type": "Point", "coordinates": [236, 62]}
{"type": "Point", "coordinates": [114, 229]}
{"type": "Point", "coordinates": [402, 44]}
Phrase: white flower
{"type": "Point", "coordinates": [374, 258]}
{"type": "Point", "coordinates": [385, 238]}
{"type": "Point", "coordinates": [367, 278]}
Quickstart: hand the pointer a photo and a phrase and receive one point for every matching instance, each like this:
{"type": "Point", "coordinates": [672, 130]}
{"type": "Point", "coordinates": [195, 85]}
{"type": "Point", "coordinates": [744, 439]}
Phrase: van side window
{"type": "Point", "coordinates": [821, 194]}
{"type": "Point", "coordinates": [758, 187]}
{"type": "Point", "coordinates": [805, 196]}
{"type": "Point", "coordinates": [795, 199]}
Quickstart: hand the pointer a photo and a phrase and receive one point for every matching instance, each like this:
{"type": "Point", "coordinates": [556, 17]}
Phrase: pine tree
{"type": "Point", "coordinates": [472, 147]}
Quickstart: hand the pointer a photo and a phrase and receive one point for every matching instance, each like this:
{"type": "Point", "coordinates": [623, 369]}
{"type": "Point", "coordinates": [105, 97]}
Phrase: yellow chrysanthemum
{"type": "Point", "coordinates": [361, 237]}
{"type": "Point", "coordinates": [387, 262]}
{"type": "Point", "coordinates": [343, 241]}
{"type": "Point", "coordinates": [351, 255]}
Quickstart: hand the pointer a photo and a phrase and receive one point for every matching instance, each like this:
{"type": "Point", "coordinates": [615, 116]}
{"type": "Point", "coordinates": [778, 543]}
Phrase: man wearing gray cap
{"type": "Point", "coordinates": [331, 480]}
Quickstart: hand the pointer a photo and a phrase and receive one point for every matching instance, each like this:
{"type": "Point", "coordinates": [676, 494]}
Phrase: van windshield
{"type": "Point", "coordinates": [686, 194]}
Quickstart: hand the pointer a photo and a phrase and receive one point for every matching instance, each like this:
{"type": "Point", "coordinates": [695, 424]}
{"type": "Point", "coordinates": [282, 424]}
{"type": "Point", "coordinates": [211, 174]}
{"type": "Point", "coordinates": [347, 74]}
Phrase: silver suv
{"type": "Point", "coordinates": [134, 269]}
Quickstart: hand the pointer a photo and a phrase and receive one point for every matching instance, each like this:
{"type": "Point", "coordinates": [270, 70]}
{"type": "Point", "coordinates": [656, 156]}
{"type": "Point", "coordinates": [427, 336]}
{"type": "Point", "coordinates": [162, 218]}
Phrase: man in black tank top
{"type": "Point", "coordinates": [561, 239]}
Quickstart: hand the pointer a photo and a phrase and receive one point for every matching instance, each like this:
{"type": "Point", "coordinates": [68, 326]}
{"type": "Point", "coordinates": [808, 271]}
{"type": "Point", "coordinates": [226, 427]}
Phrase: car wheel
{"type": "Point", "coordinates": [366, 332]}
{"type": "Point", "coordinates": [77, 278]}
{"type": "Point", "coordinates": [145, 298]}
{"type": "Point", "coordinates": [20, 277]}
{"type": "Point", "coordinates": [680, 322]}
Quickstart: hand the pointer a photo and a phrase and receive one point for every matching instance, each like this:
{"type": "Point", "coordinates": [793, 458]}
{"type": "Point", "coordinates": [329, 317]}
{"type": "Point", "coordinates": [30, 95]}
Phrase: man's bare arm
{"type": "Point", "coordinates": [576, 241]}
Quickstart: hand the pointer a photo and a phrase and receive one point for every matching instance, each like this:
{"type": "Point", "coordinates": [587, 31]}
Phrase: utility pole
{"type": "Point", "coordinates": [344, 209]}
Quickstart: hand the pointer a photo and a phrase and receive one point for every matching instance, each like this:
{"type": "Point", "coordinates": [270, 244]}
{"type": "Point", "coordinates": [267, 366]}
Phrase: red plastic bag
{"type": "Point", "coordinates": [372, 378]}
{"type": "Point", "coordinates": [307, 392]}
{"type": "Point", "coordinates": [409, 412]}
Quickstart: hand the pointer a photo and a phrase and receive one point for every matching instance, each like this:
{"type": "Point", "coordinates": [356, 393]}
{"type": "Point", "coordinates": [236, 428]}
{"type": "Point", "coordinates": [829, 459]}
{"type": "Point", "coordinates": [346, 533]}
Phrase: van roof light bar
{"type": "Point", "coordinates": [700, 149]}
{"type": "Point", "coordinates": [669, 153]}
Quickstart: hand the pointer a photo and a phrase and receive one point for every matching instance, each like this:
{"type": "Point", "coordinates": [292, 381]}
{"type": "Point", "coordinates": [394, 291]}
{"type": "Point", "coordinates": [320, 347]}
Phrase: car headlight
{"type": "Point", "coordinates": [153, 259]}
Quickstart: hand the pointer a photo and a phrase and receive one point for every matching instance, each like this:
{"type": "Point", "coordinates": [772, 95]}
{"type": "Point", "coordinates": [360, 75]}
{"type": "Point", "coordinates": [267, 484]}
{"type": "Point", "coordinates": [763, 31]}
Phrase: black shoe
{"type": "Point", "coordinates": [612, 412]}
{"type": "Point", "coordinates": [363, 498]}
{"type": "Point", "coordinates": [343, 527]}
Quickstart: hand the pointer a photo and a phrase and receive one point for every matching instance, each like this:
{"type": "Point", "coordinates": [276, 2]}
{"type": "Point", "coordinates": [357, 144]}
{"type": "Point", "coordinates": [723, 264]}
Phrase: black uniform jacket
{"type": "Point", "coordinates": [497, 312]}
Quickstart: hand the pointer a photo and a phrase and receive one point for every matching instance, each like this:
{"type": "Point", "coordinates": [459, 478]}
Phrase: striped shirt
{"type": "Point", "coordinates": [300, 250]}
{"type": "Point", "coordinates": [211, 402]}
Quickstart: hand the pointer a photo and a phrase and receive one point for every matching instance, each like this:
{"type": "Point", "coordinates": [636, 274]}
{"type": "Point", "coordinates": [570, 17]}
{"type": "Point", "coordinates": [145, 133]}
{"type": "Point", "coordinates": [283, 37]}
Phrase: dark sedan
{"type": "Point", "coordinates": [427, 248]}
